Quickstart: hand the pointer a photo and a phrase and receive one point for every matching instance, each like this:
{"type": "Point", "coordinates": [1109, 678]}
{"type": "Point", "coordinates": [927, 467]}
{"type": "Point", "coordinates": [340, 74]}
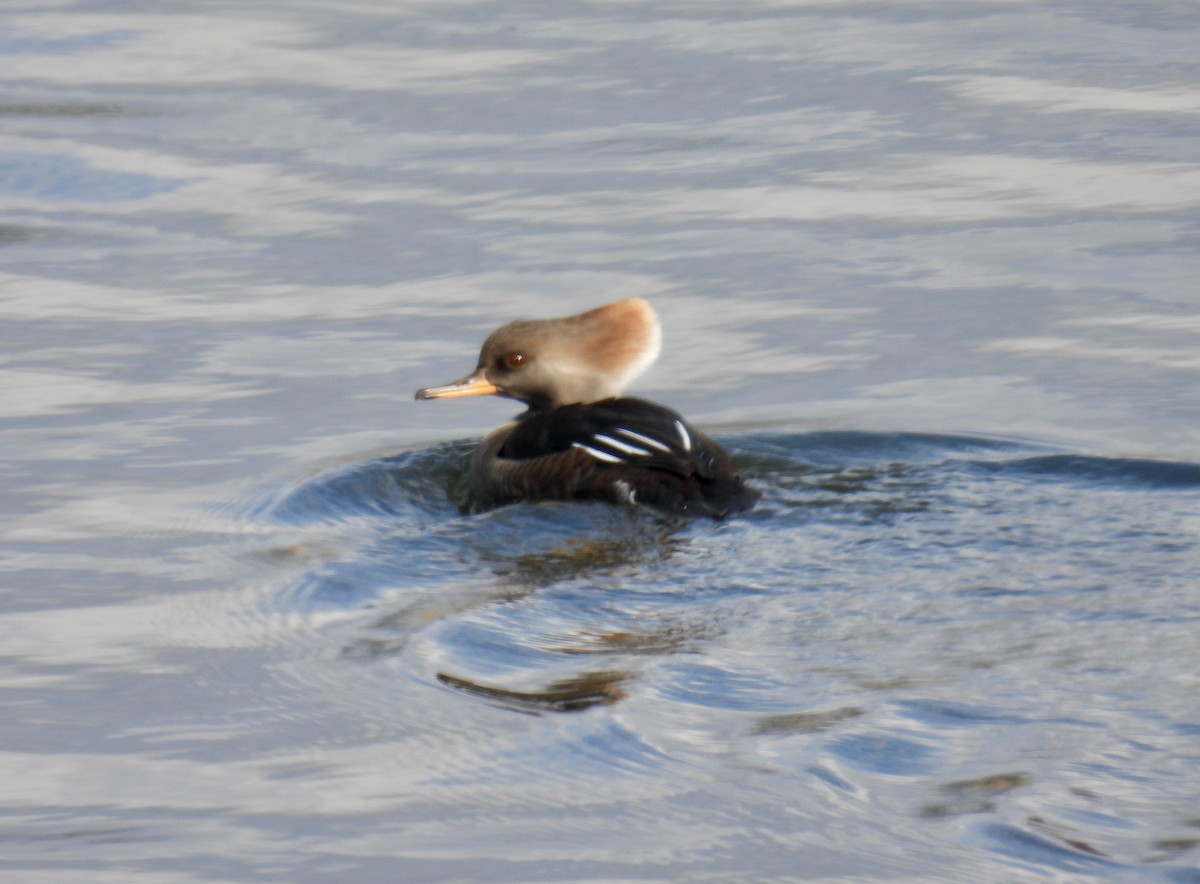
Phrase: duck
{"type": "Point", "coordinates": [580, 438]}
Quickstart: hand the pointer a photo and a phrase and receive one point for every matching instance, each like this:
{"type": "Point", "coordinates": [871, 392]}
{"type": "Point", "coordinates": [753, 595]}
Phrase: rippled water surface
{"type": "Point", "coordinates": [928, 270]}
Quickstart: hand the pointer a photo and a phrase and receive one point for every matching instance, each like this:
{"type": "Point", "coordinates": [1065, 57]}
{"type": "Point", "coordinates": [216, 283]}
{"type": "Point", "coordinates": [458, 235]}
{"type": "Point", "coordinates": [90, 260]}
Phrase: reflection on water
{"type": "Point", "coordinates": [248, 629]}
{"type": "Point", "coordinates": [569, 695]}
{"type": "Point", "coordinates": [64, 109]}
{"type": "Point", "coordinates": [788, 643]}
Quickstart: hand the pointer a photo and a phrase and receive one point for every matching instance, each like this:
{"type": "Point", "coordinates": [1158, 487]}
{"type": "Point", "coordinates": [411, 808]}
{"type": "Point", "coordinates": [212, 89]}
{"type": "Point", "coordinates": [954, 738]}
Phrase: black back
{"type": "Point", "coordinates": [635, 450]}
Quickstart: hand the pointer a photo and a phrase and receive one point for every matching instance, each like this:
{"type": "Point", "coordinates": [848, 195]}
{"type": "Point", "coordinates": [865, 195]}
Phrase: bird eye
{"type": "Point", "coordinates": [515, 360]}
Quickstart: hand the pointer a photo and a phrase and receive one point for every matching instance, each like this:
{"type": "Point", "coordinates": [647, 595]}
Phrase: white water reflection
{"type": "Point", "coordinates": [1047, 97]}
{"type": "Point", "coordinates": [1077, 348]}
{"type": "Point", "coordinates": [245, 48]}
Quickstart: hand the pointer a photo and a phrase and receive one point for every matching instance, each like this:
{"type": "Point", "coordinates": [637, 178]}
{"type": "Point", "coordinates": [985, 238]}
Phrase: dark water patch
{"type": "Point", "coordinates": [844, 462]}
{"type": "Point", "coordinates": [62, 109]}
{"type": "Point", "coordinates": [995, 592]}
{"type": "Point", "coordinates": [871, 478]}
{"type": "Point", "coordinates": [16, 45]}
{"type": "Point", "coordinates": [844, 448]}
{"type": "Point", "coordinates": [1047, 846]}
{"type": "Point", "coordinates": [404, 583]}
{"type": "Point", "coordinates": [826, 775]}
{"type": "Point", "coordinates": [974, 795]}
{"type": "Point", "coordinates": [12, 233]}
{"type": "Point", "coordinates": [76, 831]}
{"type": "Point", "coordinates": [883, 753]}
{"type": "Point", "coordinates": [568, 695]}
{"type": "Point", "coordinates": [1169, 848]}
{"type": "Point", "coordinates": [669, 639]}
{"type": "Point", "coordinates": [805, 722]}
{"type": "Point", "coordinates": [1114, 472]}
{"type": "Point", "coordinates": [543, 544]}
{"type": "Point", "coordinates": [426, 482]}
{"type": "Point", "coordinates": [942, 713]}
{"type": "Point", "coordinates": [1186, 875]}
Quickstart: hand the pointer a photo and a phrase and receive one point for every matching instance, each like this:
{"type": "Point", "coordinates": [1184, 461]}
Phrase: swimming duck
{"type": "Point", "coordinates": [580, 439]}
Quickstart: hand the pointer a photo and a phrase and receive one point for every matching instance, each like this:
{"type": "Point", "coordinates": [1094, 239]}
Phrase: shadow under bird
{"type": "Point", "coordinates": [580, 439]}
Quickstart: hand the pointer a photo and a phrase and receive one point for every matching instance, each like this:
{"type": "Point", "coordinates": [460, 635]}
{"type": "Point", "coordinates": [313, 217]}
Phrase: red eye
{"type": "Point", "coordinates": [515, 360]}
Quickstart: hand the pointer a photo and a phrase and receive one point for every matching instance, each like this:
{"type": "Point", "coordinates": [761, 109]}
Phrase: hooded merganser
{"type": "Point", "coordinates": [580, 439]}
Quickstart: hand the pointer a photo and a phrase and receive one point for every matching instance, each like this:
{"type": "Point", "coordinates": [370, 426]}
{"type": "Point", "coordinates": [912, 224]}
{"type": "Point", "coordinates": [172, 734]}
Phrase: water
{"type": "Point", "coordinates": [927, 270]}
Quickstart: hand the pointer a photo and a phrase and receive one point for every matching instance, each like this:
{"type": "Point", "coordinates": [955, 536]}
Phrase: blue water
{"type": "Point", "coordinates": [927, 271]}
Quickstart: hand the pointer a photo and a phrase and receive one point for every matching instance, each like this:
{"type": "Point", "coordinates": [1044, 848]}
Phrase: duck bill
{"type": "Point", "coordinates": [474, 385]}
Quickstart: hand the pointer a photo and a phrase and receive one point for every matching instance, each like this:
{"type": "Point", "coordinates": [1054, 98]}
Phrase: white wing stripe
{"type": "Point", "coordinates": [683, 435]}
{"type": "Point", "coordinates": [645, 440]}
{"type": "Point", "coordinates": [626, 491]}
{"type": "Point", "coordinates": [620, 446]}
{"type": "Point", "coordinates": [599, 455]}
